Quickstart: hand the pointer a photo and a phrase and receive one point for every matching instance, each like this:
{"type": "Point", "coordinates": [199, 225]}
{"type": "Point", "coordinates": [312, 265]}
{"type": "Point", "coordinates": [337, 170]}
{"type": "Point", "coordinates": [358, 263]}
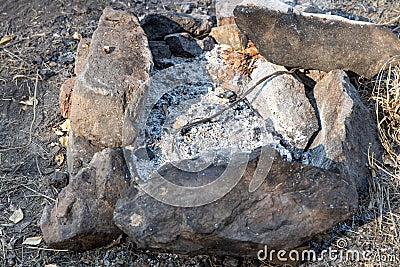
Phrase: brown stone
{"type": "Point", "coordinates": [82, 217]}
{"type": "Point", "coordinates": [113, 77]}
{"type": "Point", "coordinates": [230, 35]}
{"type": "Point", "coordinates": [65, 98]}
{"type": "Point", "coordinates": [288, 37]}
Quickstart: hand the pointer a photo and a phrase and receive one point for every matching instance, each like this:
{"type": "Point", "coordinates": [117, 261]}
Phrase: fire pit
{"type": "Point", "coordinates": [274, 169]}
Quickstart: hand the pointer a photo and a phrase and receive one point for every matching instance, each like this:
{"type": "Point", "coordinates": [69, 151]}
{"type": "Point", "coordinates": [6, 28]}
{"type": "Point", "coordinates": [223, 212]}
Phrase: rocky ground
{"type": "Point", "coordinates": [37, 54]}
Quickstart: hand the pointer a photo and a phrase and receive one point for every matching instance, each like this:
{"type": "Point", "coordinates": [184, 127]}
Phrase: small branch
{"type": "Point", "coordinates": [38, 193]}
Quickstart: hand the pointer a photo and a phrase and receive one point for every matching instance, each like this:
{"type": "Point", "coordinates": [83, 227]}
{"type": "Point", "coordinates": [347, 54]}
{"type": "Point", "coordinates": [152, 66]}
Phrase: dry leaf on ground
{"type": "Point", "coordinates": [63, 141]}
{"type": "Point", "coordinates": [59, 159]}
{"type": "Point", "coordinates": [17, 216]}
{"type": "Point", "coordinates": [5, 39]}
{"type": "Point", "coordinates": [33, 241]}
{"type": "Point", "coordinates": [66, 126]}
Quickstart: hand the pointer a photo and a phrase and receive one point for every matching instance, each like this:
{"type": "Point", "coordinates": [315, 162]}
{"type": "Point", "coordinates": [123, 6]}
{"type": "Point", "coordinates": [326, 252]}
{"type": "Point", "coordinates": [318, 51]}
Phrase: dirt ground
{"type": "Point", "coordinates": [33, 64]}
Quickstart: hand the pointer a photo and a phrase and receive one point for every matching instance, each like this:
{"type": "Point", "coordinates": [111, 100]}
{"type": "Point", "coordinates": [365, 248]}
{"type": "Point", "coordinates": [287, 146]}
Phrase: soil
{"type": "Point", "coordinates": [36, 60]}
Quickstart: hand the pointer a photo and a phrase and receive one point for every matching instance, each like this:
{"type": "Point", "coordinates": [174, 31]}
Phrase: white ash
{"type": "Point", "coordinates": [239, 129]}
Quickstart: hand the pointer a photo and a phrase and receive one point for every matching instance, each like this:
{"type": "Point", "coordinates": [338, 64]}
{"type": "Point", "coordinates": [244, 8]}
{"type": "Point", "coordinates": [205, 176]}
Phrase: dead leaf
{"type": "Point", "coordinates": [66, 126]}
{"type": "Point", "coordinates": [77, 36]}
{"type": "Point", "coordinates": [5, 39]}
{"type": "Point", "coordinates": [33, 241]}
{"type": "Point", "coordinates": [59, 133]}
{"type": "Point", "coordinates": [17, 216]}
{"type": "Point", "coordinates": [59, 159]}
{"type": "Point", "coordinates": [30, 102]}
{"type": "Point", "coordinates": [63, 141]}
{"type": "Point", "coordinates": [389, 160]}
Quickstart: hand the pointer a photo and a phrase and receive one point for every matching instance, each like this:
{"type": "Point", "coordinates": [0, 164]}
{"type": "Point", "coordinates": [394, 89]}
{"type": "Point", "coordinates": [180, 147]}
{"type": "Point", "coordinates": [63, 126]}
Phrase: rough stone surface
{"type": "Point", "coordinates": [82, 217]}
{"type": "Point", "coordinates": [159, 50]}
{"type": "Point", "coordinates": [294, 203]}
{"type": "Point", "coordinates": [224, 11]}
{"type": "Point", "coordinates": [183, 45]}
{"type": "Point", "coordinates": [67, 87]}
{"type": "Point", "coordinates": [81, 54]}
{"type": "Point", "coordinates": [80, 152]}
{"type": "Point", "coordinates": [65, 98]}
{"type": "Point", "coordinates": [206, 44]}
{"type": "Point", "coordinates": [115, 73]}
{"type": "Point", "coordinates": [348, 130]}
{"type": "Point", "coordinates": [230, 35]}
{"type": "Point", "coordinates": [161, 53]}
{"type": "Point", "coordinates": [157, 26]}
{"type": "Point", "coordinates": [282, 102]}
{"type": "Point", "coordinates": [288, 37]}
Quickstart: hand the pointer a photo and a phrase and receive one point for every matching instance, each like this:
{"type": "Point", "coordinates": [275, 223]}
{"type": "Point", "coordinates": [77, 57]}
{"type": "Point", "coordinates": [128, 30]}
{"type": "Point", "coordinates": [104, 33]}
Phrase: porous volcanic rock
{"type": "Point", "coordinates": [65, 98]}
{"type": "Point", "coordinates": [80, 152]}
{"type": "Point", "coordinates": [82, 217]}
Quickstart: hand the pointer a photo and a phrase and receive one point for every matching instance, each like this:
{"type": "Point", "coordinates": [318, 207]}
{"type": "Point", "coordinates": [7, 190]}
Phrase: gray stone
{"type": "Point", "coordinates": [183, 45]}
{"type": "Point", "coordinates": [161, 53]}
{"type": "Point", "coordinates": [348, 130]}
{"type": "Point", "coordinates": [115, 73]}
{"type": "Point", "coordinates": [282, 102]}
{"type": "Point", "coordinates": [288, 37]}
{"type": "Point", "coordinates": [206, 44]}
{"type": "Point", "coordinates": [159, 50]}
{"type": "Point", "coordinates": [230, 35]}
{"type": "Point", "coordinates": [294, 203]}
{"type": "Point", "coordinates": [82, 217]}
{"type": "Point", "coordinates": [157, 26]}
{"type": "Point", "coordinates": [80, 152]}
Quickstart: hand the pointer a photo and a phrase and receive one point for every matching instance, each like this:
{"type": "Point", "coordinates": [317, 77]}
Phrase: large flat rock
{"type": "Point", "coordinates": [293, 203]}
{"type": "Point", "coordinates": [288, 37]}
{"type": "Point", "coordinates": [112, 78]}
